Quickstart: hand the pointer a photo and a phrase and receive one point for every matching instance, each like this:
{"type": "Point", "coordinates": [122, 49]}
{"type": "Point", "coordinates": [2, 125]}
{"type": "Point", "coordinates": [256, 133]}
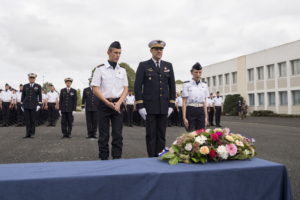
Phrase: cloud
{"type": "Point", "coordinates": [63, 38]}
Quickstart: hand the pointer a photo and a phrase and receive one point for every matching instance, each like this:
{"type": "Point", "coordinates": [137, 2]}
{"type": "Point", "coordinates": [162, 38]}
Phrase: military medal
{"type": "Point", "coordinates": [150, 78]}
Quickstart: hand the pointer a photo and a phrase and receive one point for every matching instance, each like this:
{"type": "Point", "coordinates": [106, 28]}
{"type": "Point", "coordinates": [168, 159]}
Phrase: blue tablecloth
{"type": "Point", "coordinates": [145, 178]}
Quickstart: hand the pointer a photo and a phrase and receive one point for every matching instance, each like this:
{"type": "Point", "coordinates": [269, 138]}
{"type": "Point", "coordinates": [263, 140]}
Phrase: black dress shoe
{"type": "Point", "coordinates": [63, 137]}
{"type": "Point", "coordinates": [27, 136]}
{"type": "Point", "coordinates": [95, 137]}
{"type": "Point", "coordinates": [88, 137]}
{"type": "Point", "coordinates": [68, 136]}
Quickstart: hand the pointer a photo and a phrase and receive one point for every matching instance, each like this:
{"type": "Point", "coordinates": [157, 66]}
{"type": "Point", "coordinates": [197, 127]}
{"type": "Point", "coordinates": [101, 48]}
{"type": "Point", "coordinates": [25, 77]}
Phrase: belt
{"type": "Point", "coordinates": [196, 104]}
{"type": "Point", "coordinates": [112, 99]}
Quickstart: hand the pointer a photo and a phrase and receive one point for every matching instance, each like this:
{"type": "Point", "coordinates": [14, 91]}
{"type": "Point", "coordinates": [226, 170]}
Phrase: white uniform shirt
{"type": "Point", "coordinates": [195, 93]}
{"type": "Point", "coordinates": [6, 96]}
{"type": "Point", "coordinates": [111, 81]}
{"type": "Point", "coordinates": [52, 97]}
{"type": "Point", "coordinates": [179, 101]}
{"type": "Point", "coordinates": [210, 102]}
{"type": "Point", "coordinates": [130, 100]}
{"type": "Point", "coordinates": [19, 96]}
{"type": "Point", "coordinates": [44, 97]}
{"type": "Point", "coordinates": [218, 101]}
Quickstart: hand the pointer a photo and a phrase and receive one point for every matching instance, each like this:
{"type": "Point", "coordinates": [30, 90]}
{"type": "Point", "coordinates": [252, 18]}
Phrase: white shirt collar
{"type": "Point", "coordinates": [107, 65]}
{"type": "Point", "coordinates": [155, 61]}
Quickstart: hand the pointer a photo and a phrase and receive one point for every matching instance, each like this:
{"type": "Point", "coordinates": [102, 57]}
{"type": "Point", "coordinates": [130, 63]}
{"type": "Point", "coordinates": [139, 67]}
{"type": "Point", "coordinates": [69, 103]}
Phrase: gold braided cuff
{"type": "Point", "coordinates": [172, 101]}
{"type": "Point", "coordinates": [139, 101]}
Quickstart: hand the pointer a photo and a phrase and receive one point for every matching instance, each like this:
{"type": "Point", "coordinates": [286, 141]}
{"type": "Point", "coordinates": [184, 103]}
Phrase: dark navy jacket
{"type": "Point", "coordinates": [67, 100]}
{"type": "Point", "coordinates": [31, 96]}
{"type": "Point", "coordinates": [89, 100]}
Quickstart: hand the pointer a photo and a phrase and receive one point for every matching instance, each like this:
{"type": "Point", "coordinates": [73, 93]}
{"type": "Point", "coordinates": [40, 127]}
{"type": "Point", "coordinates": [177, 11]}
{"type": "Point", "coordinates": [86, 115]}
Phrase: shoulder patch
{"type": "Point", "coordinates": [100, 65]}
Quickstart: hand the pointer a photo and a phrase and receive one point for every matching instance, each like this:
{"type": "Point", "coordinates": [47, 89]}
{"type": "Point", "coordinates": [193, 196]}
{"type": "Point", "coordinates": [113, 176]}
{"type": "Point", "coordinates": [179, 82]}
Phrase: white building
{"type": "Point", "coordinates": [268, 79]}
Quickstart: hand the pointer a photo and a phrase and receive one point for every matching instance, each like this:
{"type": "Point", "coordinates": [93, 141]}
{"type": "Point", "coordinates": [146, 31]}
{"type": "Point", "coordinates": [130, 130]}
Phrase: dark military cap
{"type": "Point", "coordinates": [68, 79]}
{"type": "Point", "coordinates": [115, 45]}
{"type": "Point", "coordinates": [32, 75]}
{"type": "Point", "coordinates": [197, 66]}
{"type": "Point", "coordinates": [157, 44]}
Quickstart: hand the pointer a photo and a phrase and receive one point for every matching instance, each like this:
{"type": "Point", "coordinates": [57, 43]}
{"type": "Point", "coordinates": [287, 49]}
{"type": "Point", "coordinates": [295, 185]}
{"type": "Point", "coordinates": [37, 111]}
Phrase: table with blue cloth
{"type": "Point", "coordinates": [145, 178]}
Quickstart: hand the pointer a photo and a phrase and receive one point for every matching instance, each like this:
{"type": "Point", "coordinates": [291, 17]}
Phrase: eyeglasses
{"type": "Point", "coordinates": [158, 48]}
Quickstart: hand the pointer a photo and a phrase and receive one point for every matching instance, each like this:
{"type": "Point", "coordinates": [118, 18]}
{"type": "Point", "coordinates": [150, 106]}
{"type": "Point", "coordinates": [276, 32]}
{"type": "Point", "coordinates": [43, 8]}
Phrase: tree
{"type": "Point", "coordinates": [130, 75]}
{"type": "Point", "coordinates": [46, 86]}
{"type": "Point", "coordinates": [179, 82]}
{"type": "Point", "coordinates": [78, 97]}
{"type": "Point", "coordinates": [231, 103]}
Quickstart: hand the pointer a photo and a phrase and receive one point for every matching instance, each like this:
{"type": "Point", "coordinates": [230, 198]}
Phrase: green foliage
{"type": "Point", "coordinates": [78, 97]}
{"type": "Point", "coordinates": [258, 113]}
{"type": "Point", "coordinates": [231, 104]}
{"type": "Point", "coordinates": [46, 86]}
{"type": "Point", "coordinates": [130, 75]}
{"type": "Point", "coordinates": [179, 82]}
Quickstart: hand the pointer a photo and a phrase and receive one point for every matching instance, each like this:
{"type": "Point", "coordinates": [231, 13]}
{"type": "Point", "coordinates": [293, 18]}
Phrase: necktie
{"type": "Point", "coordinates": [197, 82]}
{"type": "Point", "coordinates": [157, 65]}
{"type": "Point", "coordinates": [68, 89]}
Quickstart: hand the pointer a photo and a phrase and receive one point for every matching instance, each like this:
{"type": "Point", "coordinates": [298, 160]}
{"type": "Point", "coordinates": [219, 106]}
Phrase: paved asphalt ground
{"type": "Point", "coordinates": [277, 139]}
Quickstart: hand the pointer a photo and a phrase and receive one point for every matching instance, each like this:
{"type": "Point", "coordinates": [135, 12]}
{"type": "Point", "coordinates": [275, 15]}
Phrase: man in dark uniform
{"type": "Point", "coordinates": [90, 102]}
{"type": "Point", "coordinates": [155, 95]}
{"type": "Point", "coordinates": [67, 105]}
{"type": "Point", "coordinates": [110, 85]}
{"type": "Point", "coordinates": [31, 102]}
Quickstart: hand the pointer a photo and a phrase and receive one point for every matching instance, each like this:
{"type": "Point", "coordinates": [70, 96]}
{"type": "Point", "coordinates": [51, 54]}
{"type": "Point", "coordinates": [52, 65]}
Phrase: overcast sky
{"type": "Point", "coordinates": [67, 38]}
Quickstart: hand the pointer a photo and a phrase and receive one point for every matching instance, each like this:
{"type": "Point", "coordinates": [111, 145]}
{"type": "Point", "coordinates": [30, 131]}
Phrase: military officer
{"type": "Point", "coordinates": [110, 85]}
{"type": "Point", "coordinates": [52, 105]}
{"type": "Point", "coordinates": [67, 105]}
{"type": "Point", "coordinates": [129, 101]}
{"type": "Point", "coordinates": [194, 105]}
{"type": "Point", "coordinates": [210, 109]}
{"type": "Point", "coordinates": [218, 103]}
{"type": "Point", "coordinates": [6, 103]}
{"type": "Point", "coordinates": [31, 101]}
{"type": "Point", "coordinates": [90, 102]}
{"type": "Point", "coordinates": [155, 95]}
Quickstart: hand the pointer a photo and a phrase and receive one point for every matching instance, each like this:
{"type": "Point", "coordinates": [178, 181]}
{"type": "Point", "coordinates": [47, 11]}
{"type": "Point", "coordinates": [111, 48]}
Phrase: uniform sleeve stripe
{"type": "Point", "coordinates": [139, 101]}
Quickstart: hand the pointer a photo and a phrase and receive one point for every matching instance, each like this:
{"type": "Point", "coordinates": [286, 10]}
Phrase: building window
{"type": "Point", "coordinates": [260, 73]}
{"type": "Point", "coordinates": [234, 77]}
{"type": "Point", "coordinates": [220, 80]}
{"type": "Point", "coordinates": [250, 75]}
{"type": "Point", "coordinates": [296, 97]}
{"type": "Point", "coordinates": [295, 64]}
{"type": "Point", "coordinates": [208, 81]}
{"type": "Point", "coordinates": [271, 98]}
{"type": "Point", "coordinates": [214, 80]}
{"type": "Point", "coordinates": [270, 71]}
{"type": "Point", "coordinates": [283, 98]}
{"type": "Point", "coordinates": [227, 80]}
{"type": "Point", "coordinates": [251, 99]}
{"type": "Point", "coordinates": [282, 69]}
{"type": "Point", "coordinates": [261, 99]}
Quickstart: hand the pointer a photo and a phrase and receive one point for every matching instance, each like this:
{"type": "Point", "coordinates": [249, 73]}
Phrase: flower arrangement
{"type": "Point", "coordinates": [215, 145]}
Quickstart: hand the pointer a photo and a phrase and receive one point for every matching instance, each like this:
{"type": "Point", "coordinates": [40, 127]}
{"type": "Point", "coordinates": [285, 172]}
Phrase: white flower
{"type": "Point", "coordinates": [188, 147]}
{"type": "Point", "coordinates": [200, 139]}
{"type": "Point", "coordinates": [175, 142]}
{"type": "Point", "coordinates": [239, 143]}
{"type": "Point", "coordinates": [207, 130]}
{"type": "Point", "coordinates": [246, 152]}
{"type": "Point", "coordinates": [222, 152]}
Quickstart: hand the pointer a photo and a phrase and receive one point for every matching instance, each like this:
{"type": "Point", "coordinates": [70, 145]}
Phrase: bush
{"type": "Point", "coordinates": [258, 113]}
{"type": "Point", "coordinates": [231, 104]}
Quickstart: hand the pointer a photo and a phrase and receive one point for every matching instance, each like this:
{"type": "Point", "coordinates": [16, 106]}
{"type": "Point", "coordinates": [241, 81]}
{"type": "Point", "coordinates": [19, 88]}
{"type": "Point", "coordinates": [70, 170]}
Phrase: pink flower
{"type": "Point", "coordinates": [231, 149]}
{"type": "Point", "coordinates": [219, 133]}
{"type": "Point", "coordinates": [199, 131]}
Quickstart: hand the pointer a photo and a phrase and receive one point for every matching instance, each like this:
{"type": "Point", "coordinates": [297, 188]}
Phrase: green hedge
{"type": "Point", "coordinates": [270, 113]}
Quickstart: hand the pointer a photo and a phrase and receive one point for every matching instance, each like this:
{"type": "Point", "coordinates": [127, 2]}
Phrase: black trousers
{"type": "Point", "coordinates": [129, 115]}
{"type": "Point", "coordinates": [218, 115]}
{"type": "Point", "coordinates": [30, 117]}
{"type": "Point", "coordinates": [91, 122]}
{"type": "Point", "coordinates": [20, 114]}
{"type": "Point", "coordinates": [51, 113]}
{"type": "Point", "coordinates": [66, 123]}
{"type": "Point", "coordinates": [195, 117]}
{"type": "Point", "coordinates": [5, 113]}
{"type": "Point", "coordinates": [211, 113]}
{"type": "Point", "coordinates": [156, 133]}
{"type": "Point", "coordinates": [107, 116]}
{"type": "Point", "coordinates": [180, 116]}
